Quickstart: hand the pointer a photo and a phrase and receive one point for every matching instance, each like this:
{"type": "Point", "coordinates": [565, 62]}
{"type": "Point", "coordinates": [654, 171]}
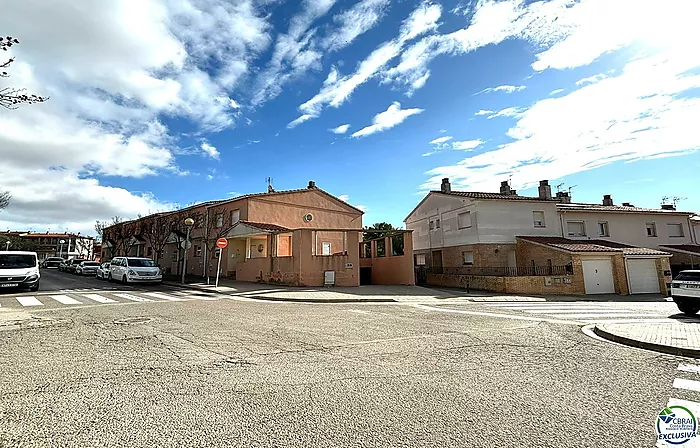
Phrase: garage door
{"type": "Point", "coordinates": [598, 276]}
{"type": "Point", "coordinates": [643, 276]}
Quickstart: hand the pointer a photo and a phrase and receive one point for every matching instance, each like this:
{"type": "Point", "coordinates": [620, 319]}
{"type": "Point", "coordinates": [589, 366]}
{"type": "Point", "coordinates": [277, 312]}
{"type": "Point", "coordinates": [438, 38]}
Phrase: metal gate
{"type": "Point", "coordinates": [421, 275]}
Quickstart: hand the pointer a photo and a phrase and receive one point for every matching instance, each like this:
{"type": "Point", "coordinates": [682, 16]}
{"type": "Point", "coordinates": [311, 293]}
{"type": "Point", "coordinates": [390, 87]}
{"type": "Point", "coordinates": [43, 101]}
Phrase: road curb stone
{"type": "Point", "coordinates": [614, 334]}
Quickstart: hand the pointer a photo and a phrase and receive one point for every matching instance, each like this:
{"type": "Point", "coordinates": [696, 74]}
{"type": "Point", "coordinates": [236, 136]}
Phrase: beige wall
{"type": "Point", "coordinates": [392, 270]}
{"type": "Point", "coordinates": [630, 228]}
{"type": "Point", "coordinates": [288, 210]}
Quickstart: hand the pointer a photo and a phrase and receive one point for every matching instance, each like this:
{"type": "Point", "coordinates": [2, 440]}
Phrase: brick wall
{"type": "Point", "coordinates": [663, 264]}
{"type": "Point", "coordinates": [620, 275]}
{"type": "Point", "coordinates": [510, 285]}
{"type": "Point", "coordinates": [484, 255]}
{"type": "Point", "coordinates": [526, 252]}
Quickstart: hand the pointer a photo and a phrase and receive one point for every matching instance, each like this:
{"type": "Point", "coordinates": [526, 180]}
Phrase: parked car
{"type": "Point", "coordinates": [52, 262]}
{"type": "Point", "coordinates": [64, 264]}
{"type": "Point", "coordinates": [87, 268]}
{"type": "Point", "coordinates": [72, 264]}
{"type": "Point", "coordinates": [103, 271]}
{"type": "Point", "coordinates": [19, 270]}
{"type": "Point", "coordinates": [685, 290]}
{"type": "Point", "coordinates": [133, 269]}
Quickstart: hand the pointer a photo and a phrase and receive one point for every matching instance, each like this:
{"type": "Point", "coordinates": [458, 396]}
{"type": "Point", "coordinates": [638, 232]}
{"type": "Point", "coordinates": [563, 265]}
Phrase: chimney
{"type": "Point", "coordinates": [563, 197]}
{"type": "Point", "coordinates": [545, 191]}
{"type": "Point", "coordinates": [607, 200]}
{"type": "Point", "coordinates": [446, 187]}
{"type": "Point", "coordinates": [505, 188]}
{"type": "Point", "coordinates": [668, 207]}
{"type": "Point", "coordinates": [270, 189]}
{"type": "Point", "coordinates": [312, 185]}
{"type": "Point", "coordinates": [627, 204]}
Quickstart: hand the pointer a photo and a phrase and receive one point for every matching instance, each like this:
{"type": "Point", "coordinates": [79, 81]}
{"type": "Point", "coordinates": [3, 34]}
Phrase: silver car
{"type": "Point", "coordinates": [87, 268]}
{"type": "Point", "coordinates": [685, 290]}
{"type": "Point", "coordinates": [103, 271]}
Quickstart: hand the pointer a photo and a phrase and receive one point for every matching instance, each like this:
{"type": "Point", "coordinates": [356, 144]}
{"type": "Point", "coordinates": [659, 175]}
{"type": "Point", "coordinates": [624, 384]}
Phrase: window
{"type": "Point", "coordinates": [219, 220]}
{"type": "Point", "coordinates": [431, 226]}
{"type": "Point", "coordinates": [381, 248]}
{"type": "Point", "coordinates": [419, 259]}
{"type": "Point", "coordinates": [603, 229]}
{"type": "Point", "coordinates": [197, 251]}
{"type": "Point", "coordinates": [576, 228]}
{"type": "Point", "coordinates": [538, 219]}
{"type": "Point", "coordinates": [235, 216]}
{"type": "Point", "coordinates": [325, 248]}
{"type": "Point", "coordinates": [675, 230]}
{"type": "Point", "coordinates": [468, 258]}
{"type": "Point", "coordinates": [437, 223]}
{"type": "Point", "coordinates": [464, 220]}
{"type": "Point", "coordinates": [651, 229]}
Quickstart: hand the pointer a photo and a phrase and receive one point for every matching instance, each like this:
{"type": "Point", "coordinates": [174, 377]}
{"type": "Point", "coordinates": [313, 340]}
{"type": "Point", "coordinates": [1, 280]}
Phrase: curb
{"type": "Point", "coordinates": [282, 299]}
{"type": "Point", "coordinates": [667, 349]}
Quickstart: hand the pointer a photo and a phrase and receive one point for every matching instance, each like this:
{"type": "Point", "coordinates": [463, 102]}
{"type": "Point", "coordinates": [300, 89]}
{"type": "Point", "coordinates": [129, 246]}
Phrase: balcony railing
{"type": "Point", "coordinates": [504, 271]}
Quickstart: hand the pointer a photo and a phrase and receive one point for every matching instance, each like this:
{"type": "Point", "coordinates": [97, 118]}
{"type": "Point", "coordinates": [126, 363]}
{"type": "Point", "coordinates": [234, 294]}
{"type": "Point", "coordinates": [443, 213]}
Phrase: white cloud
{"type": "Point", "coordinates": [294, 123]}
{"type": "Point", "coordinates": [443, 131]}
{"type": "Point", "coordinates": [467, 144]}
{"type": "Point", "coordinates": [354, 22]}
{"type": "Point", "coordinates": [483, 112]}
{"type": "Point", "coordinates": [344, 197]}
{"type": "Point", "coordinates": [209, 150]}
{"type": "Point", "coordinates": [210, 177]}
{"type": "Point", "coordinates": [336, 89]}
{"type": "Point", "coordinates": [391, 117]}
{"type": "Point", "coordinates": [342, 129]}
{"type": "Point", "coordinates": [504, 88]}
{"type": "Point", "coordinates": [644, 112]}
{"type": "Point", "coordinates": [234, 104]}
{"type": "Point", "coordinates": [507, 112]}
{"type": "Point", "coordinates": [591, 79]}
{"type": "Point", "coordinates": [440, 140]}
{"type": "Point", "coordinates": [556, 91]}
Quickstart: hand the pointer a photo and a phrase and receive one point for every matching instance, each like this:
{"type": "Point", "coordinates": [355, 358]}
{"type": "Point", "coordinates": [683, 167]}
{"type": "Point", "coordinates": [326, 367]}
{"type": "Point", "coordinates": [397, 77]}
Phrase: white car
{"type": "Point", "coordinates": [134, 270]}
{"type": "Point", "coordinates": [103, 271]}
{"type": "Point", "coordinates": [685, 290]}
{"type": "Point", "coordinates": [19, 270]}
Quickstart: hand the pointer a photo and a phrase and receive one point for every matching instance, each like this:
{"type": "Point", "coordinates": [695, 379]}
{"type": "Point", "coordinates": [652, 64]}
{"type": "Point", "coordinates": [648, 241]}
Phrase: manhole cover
{"type": "Point", "coordinates": [133, 320]}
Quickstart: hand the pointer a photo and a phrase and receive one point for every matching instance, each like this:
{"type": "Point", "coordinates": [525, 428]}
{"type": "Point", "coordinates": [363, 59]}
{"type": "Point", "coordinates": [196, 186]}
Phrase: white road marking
{"type": "Point", "coordinates": [506, 316]}
{"type": "Point", "coordinates": [597, 316]}
{"type": "Point", "coordinates": [66, 300]}
{"type": "Point", "coordinates": [132, 297]}
{"type": "Point", "coordinates": [681, 383]}
{"type": "Point", "coordinates": [158, 295]}
{"type": "Point", "coordinates": [628, 321]}
{"type": "Point", "coordinates": [99, 298]}
{"type": "Point", "coordinates": [540, 304]}
{"type": "Point", "coordinates": [692, 368]}
{"type": "Point", "coordinates": [29, 301]}
{"type": "Point", "coordinates": [574, 310]}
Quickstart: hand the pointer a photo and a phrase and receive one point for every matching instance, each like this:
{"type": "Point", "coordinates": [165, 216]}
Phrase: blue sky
{"type": "Point", "coordinates": [156, 104]}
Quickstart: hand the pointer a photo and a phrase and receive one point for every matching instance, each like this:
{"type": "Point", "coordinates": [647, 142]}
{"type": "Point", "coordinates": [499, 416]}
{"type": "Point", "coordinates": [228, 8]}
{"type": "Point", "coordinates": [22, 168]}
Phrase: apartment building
{"type": "Point", "coordinates": [297, 237]}
{"type": "Point", "coordinates": [65, 245]}
{"type": "Point", "coordinates": [483, 233]}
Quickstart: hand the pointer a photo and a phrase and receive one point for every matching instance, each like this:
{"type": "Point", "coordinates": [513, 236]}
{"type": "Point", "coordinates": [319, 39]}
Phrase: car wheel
{"type": "Point", "coordinates": [34, 288]}
{"type": "Point", "coordinates": [688, 310]}
{"type": "Point", "coordinates": [125, 280]}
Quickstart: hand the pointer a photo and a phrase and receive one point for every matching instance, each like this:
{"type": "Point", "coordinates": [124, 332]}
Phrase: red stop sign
{"type": "Point", "coordinates": [221, 243]}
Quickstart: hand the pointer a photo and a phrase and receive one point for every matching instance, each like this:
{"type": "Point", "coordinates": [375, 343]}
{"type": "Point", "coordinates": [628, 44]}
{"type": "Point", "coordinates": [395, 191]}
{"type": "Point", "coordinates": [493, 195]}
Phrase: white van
{"type": "Point", "coordinates": [134, 270]}
{"type": "Point", "coordinates": [19, 270]}
{"type": "Point", "coordinates": [685, 290]}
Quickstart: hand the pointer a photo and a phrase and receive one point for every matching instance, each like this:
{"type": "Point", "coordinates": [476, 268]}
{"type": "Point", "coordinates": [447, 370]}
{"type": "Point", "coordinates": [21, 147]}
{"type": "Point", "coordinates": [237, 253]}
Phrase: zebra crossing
{"type": "Point", "coordinates": [686, 393]}
{"type": "Point", "coordinates": [103, 297]}
{"type": "Point", "coordinates": [583, 312]}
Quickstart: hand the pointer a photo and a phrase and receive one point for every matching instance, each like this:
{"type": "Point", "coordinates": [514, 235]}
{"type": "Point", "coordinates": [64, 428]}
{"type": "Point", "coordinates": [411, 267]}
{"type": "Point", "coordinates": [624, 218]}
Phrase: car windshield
{"type": "Point", "coordinates": [53, 259]}
{"type": "Point", "coordinates": [141, 263]}
{"type": "Point", "coordinates": [689, 276]}
{"type": "Point", "coordinates": [16, 261]}
{"type": "Point", "coordinates": [91, 263]}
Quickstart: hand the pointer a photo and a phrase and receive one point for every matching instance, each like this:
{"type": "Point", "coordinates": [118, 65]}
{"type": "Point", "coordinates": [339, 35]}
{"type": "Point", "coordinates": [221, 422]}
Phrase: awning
{"type": "Point", "coordinates": [687, 249]}
{"type": "Point", "coordinates": [247, 228]}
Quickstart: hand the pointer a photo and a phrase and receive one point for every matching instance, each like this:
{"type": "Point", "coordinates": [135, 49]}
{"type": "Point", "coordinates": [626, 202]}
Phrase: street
{"type": "Point", "coordinates": [232, 371]}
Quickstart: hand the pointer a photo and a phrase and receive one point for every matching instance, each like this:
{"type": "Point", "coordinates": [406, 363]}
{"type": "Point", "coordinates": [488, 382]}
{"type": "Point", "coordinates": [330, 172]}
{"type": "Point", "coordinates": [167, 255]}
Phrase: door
{"type": "Point", "coordinates": [437, 261]}
{"type": "Point", "coordinates": [365, 276]}
{"type": "Point", "coordinates": [643, 276]}
{"type": "Point", "coordinates": [598, 276]}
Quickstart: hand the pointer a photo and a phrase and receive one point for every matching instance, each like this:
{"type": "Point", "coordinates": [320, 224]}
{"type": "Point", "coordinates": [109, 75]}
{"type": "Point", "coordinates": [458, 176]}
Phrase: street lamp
{"type": "Point", "coordinates": [61, 243]}
{"type": "Point", "coordinates": [189, 222]}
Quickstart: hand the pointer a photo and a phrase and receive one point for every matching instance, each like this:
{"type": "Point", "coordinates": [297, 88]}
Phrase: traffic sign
{"type": "Point", "coordinates": [186, 244]}
{"type": "Point", "coordinates": [221, 243]}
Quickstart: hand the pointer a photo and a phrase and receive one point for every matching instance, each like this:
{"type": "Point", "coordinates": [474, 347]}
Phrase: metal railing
{"type": "Point", "coordinates": [504, 271]}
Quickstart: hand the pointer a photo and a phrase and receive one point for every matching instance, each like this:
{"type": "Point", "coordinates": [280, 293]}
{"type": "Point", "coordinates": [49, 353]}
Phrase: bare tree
{"type": "Point", "coordinates": [217, 224]}
{"type": "Point", "coordinates": [5, 197]}
{"type": "Point", "coordinates": [157, 230]}
{"type": "Point", "coordinates": [11, 97]}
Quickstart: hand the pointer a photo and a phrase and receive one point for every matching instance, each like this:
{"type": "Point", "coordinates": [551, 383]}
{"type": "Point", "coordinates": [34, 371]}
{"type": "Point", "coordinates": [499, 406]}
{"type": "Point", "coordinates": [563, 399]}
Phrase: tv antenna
{"type": "Point", "coordinates": [571, 188]}
{"type": "Point", "coordinates": [269, 184]}
{"type": "Point", "coordinates": [558, 187]}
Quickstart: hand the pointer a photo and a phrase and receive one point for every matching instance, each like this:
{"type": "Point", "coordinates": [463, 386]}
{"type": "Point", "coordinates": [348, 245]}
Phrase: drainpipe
{"type": "Point", "coordinates": [561, 222]}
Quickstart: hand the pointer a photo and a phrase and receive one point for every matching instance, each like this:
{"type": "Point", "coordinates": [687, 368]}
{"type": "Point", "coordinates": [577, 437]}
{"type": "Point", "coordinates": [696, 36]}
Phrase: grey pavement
{"type": "Point", "coordinates": [238, 372]}
{"type": "Point", "coordinates": [681, 337]}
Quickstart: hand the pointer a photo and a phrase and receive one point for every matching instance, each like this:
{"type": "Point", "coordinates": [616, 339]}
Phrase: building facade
{"type": "Point", "coordinates": [479, 233]}
{"type": "Point", "coordinates": [64, 245]}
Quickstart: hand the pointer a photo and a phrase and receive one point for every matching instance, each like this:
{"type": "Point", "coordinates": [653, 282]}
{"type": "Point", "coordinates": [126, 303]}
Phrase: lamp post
{"type": "Point", "coordinates": [189, 222]}
{"type": "Point", "coordinates": [61, 243]}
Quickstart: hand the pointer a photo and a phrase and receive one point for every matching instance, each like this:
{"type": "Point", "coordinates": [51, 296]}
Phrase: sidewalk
{"type": "Point", "coordinates": [681, 338]}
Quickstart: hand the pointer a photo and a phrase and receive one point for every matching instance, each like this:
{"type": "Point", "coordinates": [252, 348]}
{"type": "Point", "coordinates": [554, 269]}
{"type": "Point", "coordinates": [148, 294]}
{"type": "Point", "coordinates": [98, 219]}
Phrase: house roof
{"type": "Point", "coordinates": [578, 206]}
{"type": "Point", "coordinates": [693, 249]}
{"type": "Point", "coordinates": [265, 226]}
{"type": "Point", "coordinates": [500, 196]}
{"type": "Point", "coordinates": [592, 246]}
{"type": "Point", "coordinates": [274, 193]}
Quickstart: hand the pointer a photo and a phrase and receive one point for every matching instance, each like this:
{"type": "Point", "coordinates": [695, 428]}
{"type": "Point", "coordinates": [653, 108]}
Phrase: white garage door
{"type": "Point", "coordinates": [643, 277]}
{"type": "Point", "coordinates": [598, 276]}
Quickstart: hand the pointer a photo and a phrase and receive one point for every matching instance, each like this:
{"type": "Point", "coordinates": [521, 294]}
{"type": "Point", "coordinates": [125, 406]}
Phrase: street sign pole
{"type": "Point", "coordinates": [221, 243]}
{"type": "Point", "coordinates": [218, 268]}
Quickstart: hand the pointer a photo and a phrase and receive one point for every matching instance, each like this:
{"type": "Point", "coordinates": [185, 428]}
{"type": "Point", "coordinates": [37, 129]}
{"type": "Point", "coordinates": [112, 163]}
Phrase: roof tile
{"type": "Point", "coordinates": [598, 246]}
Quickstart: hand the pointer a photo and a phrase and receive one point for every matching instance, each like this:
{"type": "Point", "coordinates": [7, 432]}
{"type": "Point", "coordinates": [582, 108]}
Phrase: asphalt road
{"type": "Point", "coordinates": [246, 373]}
